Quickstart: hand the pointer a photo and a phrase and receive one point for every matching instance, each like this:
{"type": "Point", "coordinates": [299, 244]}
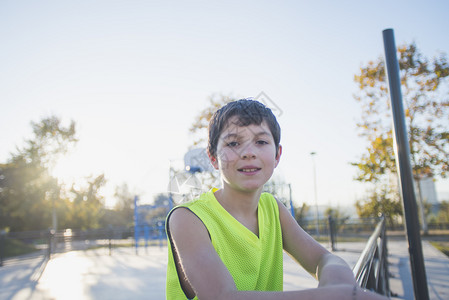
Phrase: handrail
{"type": "Point", "coordinates": [371, 269]}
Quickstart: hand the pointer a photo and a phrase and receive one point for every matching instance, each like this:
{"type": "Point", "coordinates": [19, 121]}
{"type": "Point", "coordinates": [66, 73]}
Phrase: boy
{"type": "Point", "coordinates": [229, 243]}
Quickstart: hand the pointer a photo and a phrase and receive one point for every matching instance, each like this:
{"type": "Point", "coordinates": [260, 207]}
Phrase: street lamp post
{"type": "Point", "coordinates": [312, 154]}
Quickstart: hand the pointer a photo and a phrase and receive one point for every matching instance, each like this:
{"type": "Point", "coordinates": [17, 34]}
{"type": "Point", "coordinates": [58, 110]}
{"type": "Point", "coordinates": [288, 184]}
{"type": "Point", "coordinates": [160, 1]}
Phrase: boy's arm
{"type": "Point", "coordinates": [200, 263]}
{"type": "Point", "coordinates": [328, 268]}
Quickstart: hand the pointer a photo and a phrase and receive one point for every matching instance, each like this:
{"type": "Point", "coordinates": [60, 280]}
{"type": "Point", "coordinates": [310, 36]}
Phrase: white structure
{"type": "Point", "coordinates": [428, 191]}
{"type": "Point", "coordinates": [427, 185]}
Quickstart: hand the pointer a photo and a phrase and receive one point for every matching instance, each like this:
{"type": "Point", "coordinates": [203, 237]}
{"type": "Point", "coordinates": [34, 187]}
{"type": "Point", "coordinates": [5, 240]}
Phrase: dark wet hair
{"type": "Point", "coordinates": [248, 112]}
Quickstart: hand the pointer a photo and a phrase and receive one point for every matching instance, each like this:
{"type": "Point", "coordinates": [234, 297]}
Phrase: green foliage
{"type": "Point", "coordinates": [123, 212]}
{"type": "Point", "coordinates": [339, 217]}
{"type": "Point", "coordinates": [51, 140]}
{"type": "Point", "coordinates": [28, 193]}
{"type": "Point", "coordinates": [426, 103]}
{"type": "Point", "coordinates": [124, 206]}
{"type": "Point", "coordinates": [87, 204]}
{"type": "Point", "coordinates": [425, 89]}
{"type": "Point", "coordinates": [443, 213]}
{"type": "Point", "coordinates": [378, 160]}
{"type": "Point", "coordinates": [442, 246]}
{"type": "Point", "coordinates": [27, 190]}
{"type": "Point", "coordinates": [301, 213]}
{"type": "Point", "coordinates": [24, 188]}
{"type": "Point", "coordinates": [382, 201]}
{"type": "Point", "coordinates": [335, 213]}
{"type": "Point", "coordinates": [16, 247]}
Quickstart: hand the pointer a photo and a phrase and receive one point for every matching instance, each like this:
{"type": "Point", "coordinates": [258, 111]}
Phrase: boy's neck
{"type": "Point", "coordinates": [238, 202]}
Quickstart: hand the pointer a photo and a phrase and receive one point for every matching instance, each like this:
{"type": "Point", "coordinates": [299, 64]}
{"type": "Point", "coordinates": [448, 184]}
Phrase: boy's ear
{"type": "Point", "coordinates": [278, 156]}
{"type": "Point", "coordinates": [213, 160]}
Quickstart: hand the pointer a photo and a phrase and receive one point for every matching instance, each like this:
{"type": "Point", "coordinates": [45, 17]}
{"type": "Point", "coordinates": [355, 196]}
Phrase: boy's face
{"type": "Point", "coordinates": [246, 156]}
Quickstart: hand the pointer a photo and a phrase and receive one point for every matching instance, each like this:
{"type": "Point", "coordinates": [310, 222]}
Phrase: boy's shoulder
{"type": "Point", "coordinates": [200, 200]}
{"type": "Point", "coordinates": [267, 197]}
{"type": "Point", "coordinates": [193, 206]}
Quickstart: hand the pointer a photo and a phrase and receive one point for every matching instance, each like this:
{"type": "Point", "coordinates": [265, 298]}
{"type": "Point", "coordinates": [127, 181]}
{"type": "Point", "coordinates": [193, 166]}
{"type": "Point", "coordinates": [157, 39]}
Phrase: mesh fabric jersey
{"type": "Point", "coordinates": [255, 262]}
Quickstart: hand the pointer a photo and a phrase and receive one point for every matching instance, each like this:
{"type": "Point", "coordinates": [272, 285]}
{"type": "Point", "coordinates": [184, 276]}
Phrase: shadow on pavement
{"type": "Point", "coordinates": [18, 280]}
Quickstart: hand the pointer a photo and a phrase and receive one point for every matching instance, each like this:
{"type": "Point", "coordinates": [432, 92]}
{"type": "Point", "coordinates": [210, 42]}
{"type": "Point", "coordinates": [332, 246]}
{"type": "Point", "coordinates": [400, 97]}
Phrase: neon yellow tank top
{"type": "Point", "coordinates": [255, 263]}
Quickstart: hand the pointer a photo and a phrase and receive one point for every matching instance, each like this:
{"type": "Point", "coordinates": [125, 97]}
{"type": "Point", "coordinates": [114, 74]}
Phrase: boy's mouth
{"type": "Point", "coordinates": [248, 170]}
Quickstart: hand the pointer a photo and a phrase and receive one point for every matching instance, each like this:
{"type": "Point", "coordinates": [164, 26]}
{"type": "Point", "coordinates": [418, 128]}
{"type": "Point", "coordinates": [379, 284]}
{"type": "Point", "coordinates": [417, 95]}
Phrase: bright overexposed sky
{"type": "Point", "coordinates": [134, 74]}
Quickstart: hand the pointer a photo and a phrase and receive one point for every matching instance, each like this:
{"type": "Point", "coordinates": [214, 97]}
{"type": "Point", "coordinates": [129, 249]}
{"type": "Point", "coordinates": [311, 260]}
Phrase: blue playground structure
{"type": "Point", "coordinates": [149, 222]}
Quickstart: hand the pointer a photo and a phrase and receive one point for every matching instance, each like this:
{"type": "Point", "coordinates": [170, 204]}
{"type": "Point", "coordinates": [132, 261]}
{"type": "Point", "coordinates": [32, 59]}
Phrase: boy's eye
{"type": "Point", "coordinates": [232, 144]}
{"type": "Point", "coordinates": [261, 142]}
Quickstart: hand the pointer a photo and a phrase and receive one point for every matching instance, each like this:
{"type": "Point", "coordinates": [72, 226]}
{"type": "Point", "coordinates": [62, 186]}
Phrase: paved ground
{"type": "Point", "coordinates": [94, 274]}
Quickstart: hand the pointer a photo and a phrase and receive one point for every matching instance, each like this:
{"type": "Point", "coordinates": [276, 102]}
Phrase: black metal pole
{"type": "Point", "coordinates": [50, 236]}
{"type": "Point", "coordinates": [404, 169]}
{"type": "Point", "coordinates": [2, 246]}
{"type": "Point", "coordinates": [332, 231]}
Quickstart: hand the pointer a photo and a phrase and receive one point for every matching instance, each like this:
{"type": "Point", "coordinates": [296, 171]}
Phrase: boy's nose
{"type": "Point", "coordinates": [248, 152]}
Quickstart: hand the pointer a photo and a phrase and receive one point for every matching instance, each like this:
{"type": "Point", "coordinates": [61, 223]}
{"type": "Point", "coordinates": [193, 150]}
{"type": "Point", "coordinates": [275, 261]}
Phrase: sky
{"type": "Point", "coordinates": [133, 75]}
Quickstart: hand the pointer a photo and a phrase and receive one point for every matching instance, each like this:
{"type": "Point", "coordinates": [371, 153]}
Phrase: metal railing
{"type": "Point", "coordinates": [371, 269]}
{"type": "Point", "coordinates": [44, 243]}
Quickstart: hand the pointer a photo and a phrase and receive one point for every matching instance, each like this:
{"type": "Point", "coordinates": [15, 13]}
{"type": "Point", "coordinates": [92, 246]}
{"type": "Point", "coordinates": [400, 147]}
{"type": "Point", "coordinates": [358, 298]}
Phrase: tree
{"type": "Point", "coordinates": [426, 104]}
{"type": "Point", "coordinates": [381, 201]}
{"type": "Point", "coordinates": [24, 201]}
{"type": "Point", "coordinates": [336, 214]}
{"type": "Point", "coordinates": [443, 215]}
{"type": "Point", "coordinates": [123, 212]}
{"type": "Point", "coordinates": [27, 190]}
{"type": "Point", "coordinates": [201, 122]}
{"type": "Point", "coordinates": [50, 141]}
{"type": "Point", "coordinates": [301, 214]}
{"type": "Point", "coordinates": [87, 205]}
{"type": "Point", "coordinates": [125, 204]}
{"type": "Point", "coordinates": [336, 220]}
